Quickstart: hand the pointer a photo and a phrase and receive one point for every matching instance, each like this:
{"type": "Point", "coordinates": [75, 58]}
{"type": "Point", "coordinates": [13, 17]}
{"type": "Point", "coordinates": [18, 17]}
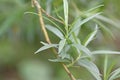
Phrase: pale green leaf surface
{"type": "Point", "coordinates": [76, 24]}
{"type": "Point", "coordinates": [86, 20]}
{"type": "Point", "coordinates": [56, 25]}
{"type": "Point", "coordinates": [65, 2]}
{"type": "Point", "coordinates": [105, 52]}
{"type": "Point", "coordinates": [105, 67]}
{"type": "Point", "coordinates": [61, 45]}
{"type": "Point", "coordinates": [114, 74]}
{"type": "Point", "coordinates": [46, 47]}
{"type": "Point", "coordinates": [54, 30]}
{"type": "Point", "coordinates": [104, 28]}
{"type": "Point", "coordinates": [107, 20]}
{"type": "Point", "coordinates": [94, 8]}
{"type": "Point", "coordinates": [91, 67]}
{"type": "Point", "coordinates": [63, 54]}
{"type": "Point", "coordinates": [58, 60]}
{"type": "Point", "coordinates": [90, 37]}
{"type": "Point", "coordinates": [44, 43]}
{"type": "Point", "coordinates": [83, 48]}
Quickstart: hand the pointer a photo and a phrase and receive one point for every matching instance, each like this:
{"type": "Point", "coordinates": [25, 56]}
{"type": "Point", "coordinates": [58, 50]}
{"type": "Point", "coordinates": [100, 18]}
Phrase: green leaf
{"type": "Point", "coordinates": [104, 28]}
{"type": "Point", "coordinates": [47, 46]}
{"type": "Point", "coordinates": [65, 2]}
{"type": "Point", "coordinates": [60, 17]}
{"type": "Point", "coordinates": [32, 13]}
{"type": "Point", "coordinates": [73, 35]}
{"type": "Point", "coordinates": [58, 60]}
{"type": "Point", "coordinates": [75, 24]}
{"type": "Point", "coordinates": [75, 39]}
{"type": "Point", "coordinates": [105, 67]}
{"type": "Point", "coordinates": [91, 67]}
{"type": "Point", "coordinates": [44, 43]}
{"type": "Point", "coordinates": [54, 30]}
{"type": "Point", "coordinates": [82, 48]}
{"type": "Point", "coordinates": [86, 20]}
{"type": "Point", "coordinates": [90, 37]}
{"type": "Point", "coordinates": [61, 45]}
{"type": "Point", "coordinates": [105, 52]}
{"type": "Point", "coordinates": [114, 74]}
{"type": "Point", "coordinates": [110, 68]}
{"type": "Point", "coordinates": [107, 20]}
{"type": "Point", "coordinates": [56, 25]}
{"type": "Point", "coordinates": [64, 53]}
{"type": "Point", "coordinates": [94, 8]}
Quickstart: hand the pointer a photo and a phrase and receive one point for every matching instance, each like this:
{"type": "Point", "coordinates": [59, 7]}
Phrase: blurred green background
{"type": "Point", "coordinates": [20, 37]}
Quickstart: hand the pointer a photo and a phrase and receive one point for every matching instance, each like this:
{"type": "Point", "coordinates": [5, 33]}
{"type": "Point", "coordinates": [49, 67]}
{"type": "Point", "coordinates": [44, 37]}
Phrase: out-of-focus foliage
{"type": "Point", "coordinates": [20, 35]}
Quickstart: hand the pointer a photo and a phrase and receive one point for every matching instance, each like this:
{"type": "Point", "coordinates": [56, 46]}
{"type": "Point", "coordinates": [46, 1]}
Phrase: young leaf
{"type": "Point", "coordinates": [105, 52]}
{"type": "Point", "coordinates": [114, 74]}
{"type": "Point", "coordinates": [61, 45]}
{"type": "Point", "coordinates": [65, 2]}
{"type": "Point", "coordinates": [85, 20]}
{"type": "Point", "coordinates": [90, 37]}
{"type": "Point", "coordinates": [46, 47]}
{"type": "Point", "coordinates": [54, 30]}
{"type": "Point", "coordinates": [91, 67]}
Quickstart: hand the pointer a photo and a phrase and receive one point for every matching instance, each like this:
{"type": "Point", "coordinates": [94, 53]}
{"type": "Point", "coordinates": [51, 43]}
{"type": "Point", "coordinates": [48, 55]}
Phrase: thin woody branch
{"type": "Point", "coordinates": [38, 6]}
{"type": "Point", "coordinates": [52, 17]}
{"type": "Point", "coordinates": [40, 10]}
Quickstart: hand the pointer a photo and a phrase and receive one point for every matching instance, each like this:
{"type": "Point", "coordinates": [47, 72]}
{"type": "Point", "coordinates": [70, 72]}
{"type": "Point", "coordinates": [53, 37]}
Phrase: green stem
{"type": "Point", "coordinates": [105, 67]}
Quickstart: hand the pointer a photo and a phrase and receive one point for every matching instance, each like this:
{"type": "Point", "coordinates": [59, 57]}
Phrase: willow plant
{"type": "Point", "coordinates": [71, 51]}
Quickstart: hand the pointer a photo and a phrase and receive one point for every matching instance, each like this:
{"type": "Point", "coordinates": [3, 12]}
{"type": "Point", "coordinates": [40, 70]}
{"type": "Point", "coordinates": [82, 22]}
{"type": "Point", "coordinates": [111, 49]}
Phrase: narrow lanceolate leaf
{"type": "Point", "coordinates": [58, 60]}
{"type": "Point", "coordinates": [75, 24]}
{"type": "Point", "coordinates": [63, 54]}
{"type": "Point", "coordinates": [94, 8]}
{"type": "Point", "coordinates": [61, 45]}
{"type": "Point", "coordinates": [114, 74]}
{"type": "Point", "coordinates": [54, 30]}
{"type": "Point", "coordinates": [105, 52]}
{"type": "Point", "coordinates": [83, 48]}
{"type": "Point", "coordinates": [46, 47]}
{"type": "Point", "coordinates": [44, 43]}
{"type": "Point", "coordinates": [65, 2]}
{"type": "Point", "coordinates": [90, 37]}
{"type": "Point", "coordinates": [86, 20]}
{"type": "Point", "coordinates": [91, 67]}
{"type": "Point", "coordinates": [105, 29]}
{"type": "Point", "coordinates": [108, 20]}
{"type": "Point", "coordinates": [105, 67]}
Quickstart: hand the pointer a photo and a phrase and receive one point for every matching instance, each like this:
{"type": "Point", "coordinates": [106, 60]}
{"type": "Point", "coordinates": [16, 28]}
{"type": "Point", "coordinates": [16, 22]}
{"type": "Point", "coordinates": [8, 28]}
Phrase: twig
{"type": "Point", "coordinates": [37, 5]}
{"type": "Point", "coordinates": [42, 10]}
{"type": "Point", "coordinates": [51, 16]}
